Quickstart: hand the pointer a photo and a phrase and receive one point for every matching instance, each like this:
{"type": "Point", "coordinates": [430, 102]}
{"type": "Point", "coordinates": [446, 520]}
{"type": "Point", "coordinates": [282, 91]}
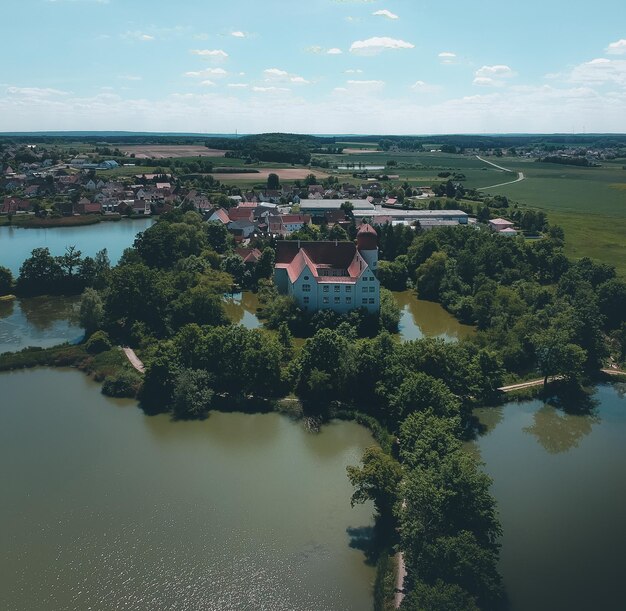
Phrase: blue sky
{"type": "Point", "coordinates": [314, 66]}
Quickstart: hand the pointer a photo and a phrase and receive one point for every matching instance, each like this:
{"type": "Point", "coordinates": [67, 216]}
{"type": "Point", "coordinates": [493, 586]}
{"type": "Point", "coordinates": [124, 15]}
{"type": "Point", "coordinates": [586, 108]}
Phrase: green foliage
{"type": "Point", "coordinates": [124, 384]}
{"type": "Point", "coordinates": [98, 342]}
{"type": "Point", "coordinates": [193, 394]}
{"type": "Point", "coordinates": [377, 480]}
{"type": "Point", "coordinates": [389, 311]}
{"type": "Point", "coordinates": [6, 281]}
{"type": "Point", "coordinates": [440, 596]}
{"type": "Point", "coordinates": [91, 313]}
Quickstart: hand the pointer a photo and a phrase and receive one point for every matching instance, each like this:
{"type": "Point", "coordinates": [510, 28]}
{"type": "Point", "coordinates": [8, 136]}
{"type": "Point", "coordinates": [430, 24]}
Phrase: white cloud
{"type": "Point", "coordinates": [617, 48]}
{"type": "Point", "coordinates": [353, 71]}
{"type": "Point", "coordinates": [238, 85]}
{"type": "Point", "coordinates": [238, 34]}
{"type": "Point", "coordinates": [385, 13]}
{"type": "Point", "coordinates": [316, 49]}
{"type": "Point", "coordinates": [599, 71]}
{"type": "Point", "coordinates": [219, 72]}
{"type": "Point", "coordinates": [35, 92]}
{"type": "Point", "coordinates": [424, 87]}
{"type": "Point", "coordinates": [208, 83]}
{"type": "Point", "coordinates": [493, 76]}
{"type": "Point", "coordinates": [376, 44]}
{"type": "Point", "coordinates": [334, 51]}
{"type": "Point", "coordinates": [447, 57]}
{"type": "Point", "coordinates": [275, 73]}
{"type": "Point", "coordinates": [269, 89]}
{"type": "Point", "coordinates": [137, 35]}
{"type": "Point", "coordinates": [370, 85]}
{"type": "Point", "coordinates": [212, 53]}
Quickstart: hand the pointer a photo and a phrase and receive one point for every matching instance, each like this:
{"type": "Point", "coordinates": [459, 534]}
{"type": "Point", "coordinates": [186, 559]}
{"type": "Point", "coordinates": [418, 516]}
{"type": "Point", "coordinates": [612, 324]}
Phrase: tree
{"type": "Point", "coordinates": [377, 479]}
{"type": "Point", "coordinates": [6, 280]}
{"type": "Point", "coordinates": [273, 182]}
{"type": "Point", "coordinates": [556, 356]}
{"type": "Point", "coordinates": [420, 392]}
{"type": "Point", "coordinates": [40, 274]}
{"type": "Point", "coordinates": [91, 313]}
{"type": "Point", "coordinates": [70, 260]}
{"type": "Point", "coordinates": [348, 209]}
{"type": "Point", "coordinates": [217, 236]}
{"type": "Point", "coordinates": [440, 596]}
{"type": "Point", "coordinates": [612, 302]}
{"type": "Point", "coordinates": [429, 276]}
{"type": "Point", "coordinates": [193, 394]}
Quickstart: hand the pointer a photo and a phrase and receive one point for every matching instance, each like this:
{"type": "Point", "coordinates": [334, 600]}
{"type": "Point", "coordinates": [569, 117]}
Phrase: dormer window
{"type": "Point", "coordinates": [306, 277]}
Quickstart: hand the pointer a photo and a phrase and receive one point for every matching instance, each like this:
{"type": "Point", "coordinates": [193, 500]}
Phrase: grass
{"type": "Point", "coordinates": [589, 203]}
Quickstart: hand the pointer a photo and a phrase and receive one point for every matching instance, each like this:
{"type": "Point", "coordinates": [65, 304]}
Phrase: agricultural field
{"type": "Point", "coordinates": [589, 203]}
{"type": "Point", "coordinates": [169, 151]}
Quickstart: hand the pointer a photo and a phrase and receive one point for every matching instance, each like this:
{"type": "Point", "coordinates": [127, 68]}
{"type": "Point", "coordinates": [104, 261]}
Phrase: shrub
{"type": "Point", "coordinates": [123, 384]}
{"type": "Point", "coordinates": [98, 342]}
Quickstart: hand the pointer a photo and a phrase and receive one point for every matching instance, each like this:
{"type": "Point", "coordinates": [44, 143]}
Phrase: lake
{"type": "Point", "coordinates": [421, 318]}
{"type": "Point", "coordinates": [560, 481]}
{"type": "Point", "coordinates": [106, 508]}
{"type": "Point", "coordinates": [16, 243]}
{"type": "Point", "coordinates": [38, 321]}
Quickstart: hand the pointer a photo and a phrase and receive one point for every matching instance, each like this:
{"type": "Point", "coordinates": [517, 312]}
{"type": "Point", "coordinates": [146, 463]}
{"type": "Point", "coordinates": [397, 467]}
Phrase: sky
{"type": "Point", "coordinates": [314, 66]}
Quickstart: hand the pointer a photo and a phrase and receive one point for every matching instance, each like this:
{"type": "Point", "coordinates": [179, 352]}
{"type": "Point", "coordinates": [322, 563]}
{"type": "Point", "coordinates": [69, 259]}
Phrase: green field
{"type": "Point", "coordinates": [589, 203]}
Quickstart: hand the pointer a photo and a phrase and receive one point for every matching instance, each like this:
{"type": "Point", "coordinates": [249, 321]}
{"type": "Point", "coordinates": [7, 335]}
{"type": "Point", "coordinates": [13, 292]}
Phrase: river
{"type": "Point", "coordinates": [16, 243]}
{"type": "Point", "coordinates": [560, 482]}
{"type": "Point", "coordinates": [106, 508]}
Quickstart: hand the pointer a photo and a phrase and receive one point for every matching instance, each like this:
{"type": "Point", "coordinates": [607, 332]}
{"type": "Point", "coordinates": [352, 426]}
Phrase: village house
{"type": "Point", "coordinates": [338, 276]}
{"type": "Point", "coordinates": [499, 225]}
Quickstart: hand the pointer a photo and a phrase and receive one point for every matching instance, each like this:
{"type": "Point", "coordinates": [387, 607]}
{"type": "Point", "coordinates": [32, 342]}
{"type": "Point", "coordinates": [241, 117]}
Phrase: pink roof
{"type": "Point", "coordinates": [500, 221]}
{"type": "Point", "coordinates": [222, 216]}
{"type": "Point", "coordinates": [366, 228]}
{"type": "Point", "coordinates": [317, 256]}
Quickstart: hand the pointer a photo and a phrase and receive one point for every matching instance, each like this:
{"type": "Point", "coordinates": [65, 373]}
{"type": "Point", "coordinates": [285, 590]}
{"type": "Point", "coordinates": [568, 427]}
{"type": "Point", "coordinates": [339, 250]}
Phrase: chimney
{"type": "Point", "coordinates": [298, 244]}
{"type": "Point", "coordinates": [335, 241]}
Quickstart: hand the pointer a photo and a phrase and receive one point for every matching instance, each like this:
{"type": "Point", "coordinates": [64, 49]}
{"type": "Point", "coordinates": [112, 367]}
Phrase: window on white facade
{"type": "Point", "coordinates": [337, 299]}
{"type": "Point", "coordinates": [306, 288]}
{"type": "Point", "coordinates": [326, 300]}
{"type": "Point", "coordinates": [371, 300]}
{"type": "Point", "coordinates": [364, 289]}
{"type": "Point", "coordinates": [348, 299]}
{"type": "Point", "coordinates": [306, 299]}
{"type": "Point", "coordinates": [337, 288]}
{"type": "Point", "coordinates": [348, 289]}
{"type": "Point", "coordinates": [326, 289]}
{"type": "Point", "coordinates": [372, 289]}
{"type": "Point", "coordinates": [364, 300]}
{"type": "Point", "coordinates": [306, 277]}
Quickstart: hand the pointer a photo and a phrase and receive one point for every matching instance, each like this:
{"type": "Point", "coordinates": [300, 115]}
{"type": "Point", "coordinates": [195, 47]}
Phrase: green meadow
{"type": "Point", "coordinates": [589, 203]}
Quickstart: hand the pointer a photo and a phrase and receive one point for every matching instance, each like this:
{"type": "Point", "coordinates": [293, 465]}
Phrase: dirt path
{"type": "Point", "coordinates": [399, 597]}
{"type": "Point", "coordinates": [529, 384]}
{"type": "Point", "coordinates": [134, 359]}
{"type": "Point", "coordinates": [520, 175]}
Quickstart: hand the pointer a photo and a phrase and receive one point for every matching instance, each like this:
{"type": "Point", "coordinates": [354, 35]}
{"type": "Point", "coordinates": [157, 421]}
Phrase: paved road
{"type": "Point", "coordinates": [520, 175]}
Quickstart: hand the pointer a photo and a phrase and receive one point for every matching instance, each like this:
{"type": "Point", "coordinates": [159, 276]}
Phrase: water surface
{"type": "Point", "coordinates": [16, 243]}
{"type": "Point", "coordinates": [559, 475]}
{"type": "Point", "coordinates": [105, 508]}
{"type": "Point", "coordinates": [421, 318]}
{"type": "Point", "coordinates": [38, 321]}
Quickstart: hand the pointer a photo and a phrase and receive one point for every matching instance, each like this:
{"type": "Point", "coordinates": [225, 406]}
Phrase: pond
{"type": "Point", "coordinates": [241, 309]}
{"type": "Point", "coordinates": [16, 243]}
{"type": "Point", "coordinates": [106, 508]}
{"type": "Point", "coordinates": [38, 321]}
{"type": "Point", "coordinates": [559, 473]}
{"type": "Point", "coordinates": [421, 318]}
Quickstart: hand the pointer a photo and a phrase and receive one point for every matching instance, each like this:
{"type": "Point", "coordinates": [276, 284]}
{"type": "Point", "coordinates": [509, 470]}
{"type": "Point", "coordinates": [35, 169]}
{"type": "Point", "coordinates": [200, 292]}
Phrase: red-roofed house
{"type": "Point", "coordinates": [500, 224]}
{"type": "Point", "coordinates": [249, 255]}
{"type": "Point", "coordinates": [240, 214]}
{"type": "Point", "coordinates": [338, 276]}
{"type": "Point", "coordinates": [220, 216]}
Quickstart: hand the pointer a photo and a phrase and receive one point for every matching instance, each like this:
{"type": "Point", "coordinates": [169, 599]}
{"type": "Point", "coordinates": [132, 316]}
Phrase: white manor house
{"type": "Point", "coordinates": [339, 276]}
